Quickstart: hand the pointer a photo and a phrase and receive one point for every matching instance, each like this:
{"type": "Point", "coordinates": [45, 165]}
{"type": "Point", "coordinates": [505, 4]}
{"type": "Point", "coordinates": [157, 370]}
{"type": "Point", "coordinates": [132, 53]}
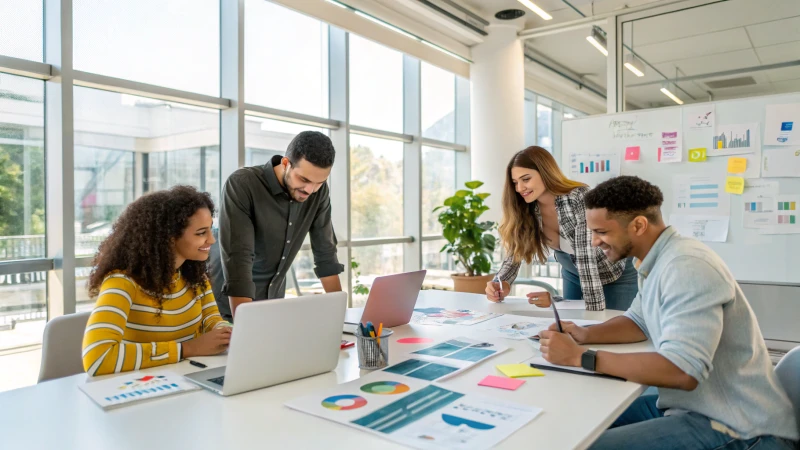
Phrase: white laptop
{"type": "Point", "coordinates": [391, 301]}
{"type": "Point", "coordinates": [275, 341]}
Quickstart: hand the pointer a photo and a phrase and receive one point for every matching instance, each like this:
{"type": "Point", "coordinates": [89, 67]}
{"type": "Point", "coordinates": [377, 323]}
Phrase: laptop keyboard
{"type": "Point", "coordinates": [219, 380]}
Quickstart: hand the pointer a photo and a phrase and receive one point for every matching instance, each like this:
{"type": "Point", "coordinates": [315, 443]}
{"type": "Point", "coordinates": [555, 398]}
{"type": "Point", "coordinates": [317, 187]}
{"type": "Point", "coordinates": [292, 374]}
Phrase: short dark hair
{"type": "Point", "coordinates": [627, 196]}
{"type": "Point", "coordinates": [312, 146]}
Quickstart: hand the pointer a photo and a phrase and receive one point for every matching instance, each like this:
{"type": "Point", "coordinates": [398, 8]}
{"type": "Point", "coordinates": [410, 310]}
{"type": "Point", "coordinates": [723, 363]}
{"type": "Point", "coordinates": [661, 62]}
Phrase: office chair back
{"type": "Point", "coordinates": [62, 346]}
{"type": "Point", "coordinates": [788, 372]}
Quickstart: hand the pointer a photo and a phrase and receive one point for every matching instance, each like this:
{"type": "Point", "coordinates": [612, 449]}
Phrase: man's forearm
{"type": "Point", "coordinates": [236, 301]}
{"type": "Point", "coordinates": [331, 283]}
{"type": "Point", "coordinates": [649, 369]}
{"type": "Point", "coordinates": [619, 330]}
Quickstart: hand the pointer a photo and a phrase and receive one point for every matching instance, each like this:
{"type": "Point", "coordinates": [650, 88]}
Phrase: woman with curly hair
{"type": "Point", "coordinates": [543, 210]}
{"type": "Point", "coordinates": [154, 302]}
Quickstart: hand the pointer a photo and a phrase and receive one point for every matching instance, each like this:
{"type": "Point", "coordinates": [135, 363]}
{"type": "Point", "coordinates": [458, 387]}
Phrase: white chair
{"type": "Point", "coordinates": [62, 346]}
{"type": "Point", "coordinates": [788, 372]}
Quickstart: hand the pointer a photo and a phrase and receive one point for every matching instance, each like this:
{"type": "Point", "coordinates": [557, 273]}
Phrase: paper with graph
{"type": "Point", "coordinates": [594, 168]}
{"type": "Point", "coordinates": [700, 195]}
{"type": "Point", "coordinates": [417, 414]}
{"type": "Point", "coordinates": [735, 140]}
{"type": "Point", "coordinates": [786, 215]}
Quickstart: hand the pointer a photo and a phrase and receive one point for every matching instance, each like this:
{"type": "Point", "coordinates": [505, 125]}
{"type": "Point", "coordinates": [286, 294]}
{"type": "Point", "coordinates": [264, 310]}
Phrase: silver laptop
{"type": "Point", "coordinates": [275, 341]}
{"type": "Point", "coordinates": [391, 301]}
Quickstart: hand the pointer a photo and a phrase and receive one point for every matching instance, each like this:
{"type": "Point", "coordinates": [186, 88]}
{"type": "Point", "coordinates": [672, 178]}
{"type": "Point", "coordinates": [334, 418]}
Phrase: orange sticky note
{"type": "Point", "coordinates": [734, 185]}
{"type": "Point", "coordinates": [737, 165]}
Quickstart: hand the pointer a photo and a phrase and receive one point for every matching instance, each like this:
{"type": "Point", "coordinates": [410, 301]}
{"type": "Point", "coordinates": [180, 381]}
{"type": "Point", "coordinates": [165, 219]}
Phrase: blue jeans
{"type": "Point", "coordinates": [643, 426]}
{"type": "Point", "coordinates": [619, 294]}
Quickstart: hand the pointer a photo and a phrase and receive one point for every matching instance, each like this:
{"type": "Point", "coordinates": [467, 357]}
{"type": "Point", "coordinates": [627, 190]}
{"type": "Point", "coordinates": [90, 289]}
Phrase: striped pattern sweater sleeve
{"type": "Point", "coordinates": [127, 332]}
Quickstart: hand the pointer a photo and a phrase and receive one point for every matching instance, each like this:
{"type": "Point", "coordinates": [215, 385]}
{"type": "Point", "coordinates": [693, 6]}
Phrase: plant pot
{"type": "Point", "coordinates": [474, 285]}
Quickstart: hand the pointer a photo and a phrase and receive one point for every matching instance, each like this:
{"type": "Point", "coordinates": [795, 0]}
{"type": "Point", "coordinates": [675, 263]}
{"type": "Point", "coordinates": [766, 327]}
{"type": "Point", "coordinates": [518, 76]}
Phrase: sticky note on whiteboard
{"type": "Point", "coordinates": [737, 165]}
{"type": "Point", "coordinates": [734, 185]}
{"type": "Point", "coordinates": [632, 153]}
{"type": "Point", "coordinates": [697, 154]}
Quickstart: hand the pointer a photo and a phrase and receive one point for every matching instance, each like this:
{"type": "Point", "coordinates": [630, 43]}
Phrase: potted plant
{"type": "Point", "coordinates": [469, 241]}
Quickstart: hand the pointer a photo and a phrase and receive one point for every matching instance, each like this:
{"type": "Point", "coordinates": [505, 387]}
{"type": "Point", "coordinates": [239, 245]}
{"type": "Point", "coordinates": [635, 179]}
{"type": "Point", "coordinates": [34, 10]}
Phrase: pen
{"type": "Point", "coordinates": [558, 319]}
{"type": "Point", "coordinates": [380, 329]}
{"type": "Point", "coordinates": [198, 364]}
{"type": "Point", "coordinates": [496, 279]}
{"type": "Point", "coordinates": [576, 372]}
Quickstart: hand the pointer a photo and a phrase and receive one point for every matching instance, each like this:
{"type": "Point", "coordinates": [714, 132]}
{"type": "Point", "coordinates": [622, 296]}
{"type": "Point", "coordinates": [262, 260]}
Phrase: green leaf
{"type": "Point", "coordinates": [473, 184]}
{"type": "Point", "coordinates": [437, 208]}
{"type": "Point", "coordinates": [483, 195]}
{"type": "Point", "coordinates": [449, 201]}
{"type": "Point", "coordinates": [462, 193]}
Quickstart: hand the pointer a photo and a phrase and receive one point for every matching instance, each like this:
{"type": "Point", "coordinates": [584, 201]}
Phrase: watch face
{"type": "Point", "coordinates": [588, 360]}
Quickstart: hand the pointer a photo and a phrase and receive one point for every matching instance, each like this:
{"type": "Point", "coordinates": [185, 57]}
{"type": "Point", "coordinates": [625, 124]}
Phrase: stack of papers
{"type": "Point", "coordinates": [134, 388]}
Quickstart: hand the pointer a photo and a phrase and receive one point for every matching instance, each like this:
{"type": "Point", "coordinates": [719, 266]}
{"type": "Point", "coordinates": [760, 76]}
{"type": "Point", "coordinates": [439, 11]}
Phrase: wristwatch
{"type": "Point", "coordinates": [589, 360]}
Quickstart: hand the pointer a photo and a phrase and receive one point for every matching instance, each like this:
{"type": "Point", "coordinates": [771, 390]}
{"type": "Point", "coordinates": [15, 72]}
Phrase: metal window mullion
{"type": "Point", "coordinates": [338, 110]}
{"type": "Point", "coordinates": [371, 242]}
{"type": "Point", "coordinates": [428, 142]}
{"type": "Point", "coordinates": [26, 266]}
{"type": "Point", "coordinates": [232, 123]}
{"type": "Point", "coordinates": [412, 164]}
{"type": "Point", "coordinates": [463, 131]}
{"type": "Point", "coordinates": [59, 158]}
{"type": "Point", "coordinates": [381, 134]}
{"type": "Point", "coordinates": [291, 117]}
{"type": "Point", "coordinates": [25, 68]}
{"type": "Point", "coordinates": [107, 83]}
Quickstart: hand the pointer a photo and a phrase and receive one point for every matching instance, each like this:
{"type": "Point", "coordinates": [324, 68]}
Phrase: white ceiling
{"type": "Point", "coordinates": [731, 35]}
{"type": "Point", "coordinates": [728, 35]}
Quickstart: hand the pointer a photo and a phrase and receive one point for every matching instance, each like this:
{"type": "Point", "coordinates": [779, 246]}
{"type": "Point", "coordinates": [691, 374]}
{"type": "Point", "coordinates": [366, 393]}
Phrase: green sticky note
{"type": "Point", "coordinates": [519, 370]}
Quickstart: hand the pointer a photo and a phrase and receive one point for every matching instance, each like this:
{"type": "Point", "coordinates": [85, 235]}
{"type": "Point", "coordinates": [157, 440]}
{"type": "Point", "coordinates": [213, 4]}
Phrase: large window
{"type": "Point", "coordinates": [286, 59]}
{"type": "Point", "coordinates": [438, 103]}
{"type": "Point", "coordinates": [117, 135]}
{"type": "Point", "coordinates": [374, 261]}
{"type": "Point", "coordinates": [376, 187]}
{"type": "Point", "coordinates": [171, 43]}
{"type": "Point", "coordinates": [438, 183]}
{"type": "Point", "coordinates": [265, 138]}
{"type": "Point", "coordinates": [376, 85]}
{"type": "Point", "coordinates": [21, 23]}
{"type": "Point", "coordinates": [22, 218]}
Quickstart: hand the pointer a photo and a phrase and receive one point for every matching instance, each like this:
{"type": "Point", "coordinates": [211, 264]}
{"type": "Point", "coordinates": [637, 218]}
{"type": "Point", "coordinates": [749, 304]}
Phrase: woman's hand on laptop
{"type": "Point", "coordinates": [211, 343]}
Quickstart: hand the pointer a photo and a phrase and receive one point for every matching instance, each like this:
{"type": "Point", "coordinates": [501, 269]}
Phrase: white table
{"type": "Point", "coordinates": [57, 415]}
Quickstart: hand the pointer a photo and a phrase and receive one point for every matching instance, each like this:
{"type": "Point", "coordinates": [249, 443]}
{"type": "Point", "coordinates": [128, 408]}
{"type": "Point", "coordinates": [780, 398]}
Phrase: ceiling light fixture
{"type": "Point", "coordinates": [386, 25]}
{"type": "Point", "coordinates": [598, 40]}
{"type": "Point", "coordinates": [533, 7]}
{"type": "Point", "coordinates": [380, 22]}
{"type": "Point", "coordinates": [340, 5]}
{"type": "Point", "coordinates": [634, 64]}
{"type": "Point", "coordinates": [666, 91]}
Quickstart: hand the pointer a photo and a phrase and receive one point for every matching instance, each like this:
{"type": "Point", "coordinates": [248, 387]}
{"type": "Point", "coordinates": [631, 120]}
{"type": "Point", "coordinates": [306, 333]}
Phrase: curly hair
{"type": "Point", "coordinates": [140, 243]}
{"type": "Point", "coordinates": [628, 197]}
{"type": "Point", "coordinates": [312, 146]}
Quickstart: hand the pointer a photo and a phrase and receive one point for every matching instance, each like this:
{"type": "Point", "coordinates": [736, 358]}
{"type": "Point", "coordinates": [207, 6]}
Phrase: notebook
{"type": "Point", "coordinates": [135, 387]}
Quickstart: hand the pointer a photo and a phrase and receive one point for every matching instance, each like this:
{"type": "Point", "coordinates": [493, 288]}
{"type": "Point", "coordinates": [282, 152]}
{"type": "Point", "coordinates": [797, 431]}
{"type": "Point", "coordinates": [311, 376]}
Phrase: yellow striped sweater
{"type": "Point", "coordinates": [124, 332]}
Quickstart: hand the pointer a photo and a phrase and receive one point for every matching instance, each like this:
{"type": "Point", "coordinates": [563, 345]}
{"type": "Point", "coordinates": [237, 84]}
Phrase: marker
{"type": "Point", "coordinates": [496, 279]}
{"type": "Point", "coordinates": [197, 364]}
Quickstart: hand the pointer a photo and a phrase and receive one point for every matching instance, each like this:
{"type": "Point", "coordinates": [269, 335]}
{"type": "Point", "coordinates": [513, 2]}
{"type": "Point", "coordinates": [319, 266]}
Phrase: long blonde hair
{"type": "Point", "coordinates": [520, 232]}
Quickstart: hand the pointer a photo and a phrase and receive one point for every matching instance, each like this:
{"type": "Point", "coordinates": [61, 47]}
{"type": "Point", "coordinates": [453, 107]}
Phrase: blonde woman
{"type": "Point", "coordinates": [543, 211]}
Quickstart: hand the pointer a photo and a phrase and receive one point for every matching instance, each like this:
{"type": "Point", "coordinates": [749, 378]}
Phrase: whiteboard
{"type": "Point", "coordinates": [749, 255]}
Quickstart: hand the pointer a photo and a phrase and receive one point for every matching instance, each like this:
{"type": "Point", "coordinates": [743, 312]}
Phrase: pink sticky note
{"type": "Point", "coordinates": [632, 153]}
{"type": "Point", "coordinates": [414, 341]}
{"type": "Point", "coordinates": [502, 382]}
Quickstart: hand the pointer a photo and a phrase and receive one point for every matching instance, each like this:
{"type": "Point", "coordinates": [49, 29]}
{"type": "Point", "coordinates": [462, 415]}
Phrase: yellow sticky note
{"type": "Point", "coordinates": [734, 185]}
{"type": "Point", "coordinates": [737, 165]}
{"type": "Point", "coordinates": [519, 370]}
{"type": "Point", "coordinates": [697, 154]}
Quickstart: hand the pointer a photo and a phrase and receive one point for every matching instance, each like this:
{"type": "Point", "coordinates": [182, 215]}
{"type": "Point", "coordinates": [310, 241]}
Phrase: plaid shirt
{"type": "Point", "coordinates": [594, 268]}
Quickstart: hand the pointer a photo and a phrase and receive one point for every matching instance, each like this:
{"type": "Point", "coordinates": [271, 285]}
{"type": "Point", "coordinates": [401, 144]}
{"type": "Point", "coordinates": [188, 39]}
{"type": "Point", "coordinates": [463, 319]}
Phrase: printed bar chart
{"type": "Point", "coordinates": [595, 166]}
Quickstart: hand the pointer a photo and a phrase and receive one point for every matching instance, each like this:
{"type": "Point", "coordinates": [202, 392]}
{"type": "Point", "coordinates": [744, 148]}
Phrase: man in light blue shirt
{"type": "Point", "coordinates": [716, 383]}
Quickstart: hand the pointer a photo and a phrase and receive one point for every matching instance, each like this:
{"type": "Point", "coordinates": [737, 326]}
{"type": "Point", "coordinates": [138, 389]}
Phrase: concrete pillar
{"type": "Point", "coordinates": [497, 112]}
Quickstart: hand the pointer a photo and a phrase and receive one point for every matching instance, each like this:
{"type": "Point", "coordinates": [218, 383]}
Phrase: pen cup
{"type": "Point", "coordinates": [372, 356]}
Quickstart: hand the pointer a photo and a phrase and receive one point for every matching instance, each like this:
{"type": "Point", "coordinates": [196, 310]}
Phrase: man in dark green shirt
{"type": "Point", "coordinates": [265, 213]}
